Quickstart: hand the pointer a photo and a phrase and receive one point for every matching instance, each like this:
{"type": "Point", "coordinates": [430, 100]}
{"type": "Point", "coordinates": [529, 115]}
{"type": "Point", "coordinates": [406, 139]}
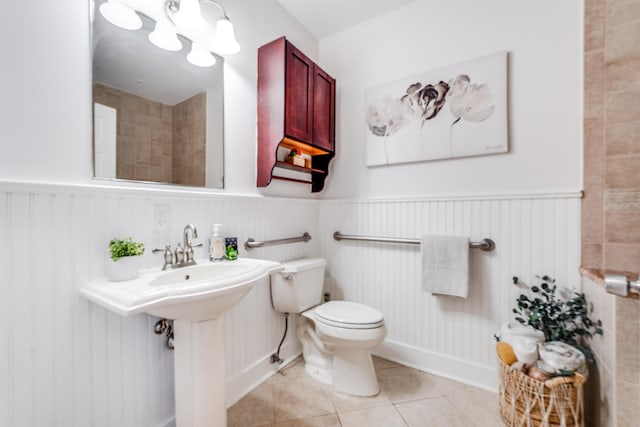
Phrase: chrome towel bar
{"type": "Point", "coordinates": [486, 245]}
{"type": "Point", "coordinates": [251, 244]}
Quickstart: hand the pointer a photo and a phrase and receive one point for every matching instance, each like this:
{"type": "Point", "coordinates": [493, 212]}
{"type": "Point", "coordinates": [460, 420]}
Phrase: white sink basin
{"type": "Point", "coordinates": [195, 297]}
{"type": "Point", "coordinates": [195, 293]}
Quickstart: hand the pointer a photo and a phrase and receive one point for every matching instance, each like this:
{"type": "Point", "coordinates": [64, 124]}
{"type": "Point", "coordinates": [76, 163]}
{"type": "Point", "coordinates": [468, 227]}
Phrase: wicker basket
{"type": "Point", "coordinates": [525, 401]}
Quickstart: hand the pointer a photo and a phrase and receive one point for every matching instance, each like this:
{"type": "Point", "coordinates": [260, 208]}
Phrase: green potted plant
{"type": "Point", "coordinates": [565, 320]}
{"type": "Point", "coordinates": [531, 395]}
{"type": "Point", "coordinates": [125, 259]}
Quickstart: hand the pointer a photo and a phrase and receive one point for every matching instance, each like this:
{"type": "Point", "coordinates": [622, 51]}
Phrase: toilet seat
{"type": "Point", "coordinates": [349, 315]}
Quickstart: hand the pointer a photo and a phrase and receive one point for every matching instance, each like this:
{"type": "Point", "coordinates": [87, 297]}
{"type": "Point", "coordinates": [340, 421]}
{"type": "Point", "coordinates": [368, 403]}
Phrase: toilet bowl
{"type": "Point", "coordinates": [350, 330]}
{"type": "Point", "coordinates": [337, 336]}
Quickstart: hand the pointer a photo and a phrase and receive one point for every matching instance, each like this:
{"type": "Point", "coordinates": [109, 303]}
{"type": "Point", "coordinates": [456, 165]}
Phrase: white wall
{"type": "Point", "coordinates": [45, 82]}
{"type": "Point", "coordinates": [544, 41]}
{"type": "Point", "coordinates": [527, 200]}
{"type": "Point", "coordinates": [534, 234]}
{"type": "Point", "coordinates": [45, 135]}
{"type": "Point", "coordinates": [70, 362]}
{"type": "Point", "coordinates": [45, 79]}
{"type": "Point", "coordinates": [257, 23]}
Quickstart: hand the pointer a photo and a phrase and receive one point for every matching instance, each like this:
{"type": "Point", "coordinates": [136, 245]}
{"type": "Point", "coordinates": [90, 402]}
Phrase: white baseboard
{"type": "Point", "coordinates": [240, 385]}
{"type": "Point", "coordinates": [445, 366]}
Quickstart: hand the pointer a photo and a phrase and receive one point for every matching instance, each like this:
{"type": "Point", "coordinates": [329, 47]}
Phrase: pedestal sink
{"type": "Point", "coordinates": [195, 298]}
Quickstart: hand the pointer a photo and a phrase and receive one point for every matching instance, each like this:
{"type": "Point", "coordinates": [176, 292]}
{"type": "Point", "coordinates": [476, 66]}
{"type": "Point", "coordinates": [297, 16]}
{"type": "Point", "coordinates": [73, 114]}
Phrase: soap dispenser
{"type": "Point", "coordinates": [216, 243]}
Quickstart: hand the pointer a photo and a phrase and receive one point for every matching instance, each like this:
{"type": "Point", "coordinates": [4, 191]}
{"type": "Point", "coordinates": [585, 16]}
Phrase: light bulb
{"type": "Point", "coordinates": [225, 41]}
{"type": "Point", "coordinates": [200, 56]}
{"type": "Point", "coordinates": [120, 15]}
{"type": "Point", "coordinates": [189, 17]}
{"type": "Point", "coordinates": [164, 36]}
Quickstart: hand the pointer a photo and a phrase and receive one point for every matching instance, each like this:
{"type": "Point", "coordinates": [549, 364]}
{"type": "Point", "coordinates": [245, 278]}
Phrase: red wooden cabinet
{"type": "Point", "coordinates": [296, 109]}
{"type": "Point", "coordinates": [298, 99]}
{"type": "Point", "coordinates": [324, 108]}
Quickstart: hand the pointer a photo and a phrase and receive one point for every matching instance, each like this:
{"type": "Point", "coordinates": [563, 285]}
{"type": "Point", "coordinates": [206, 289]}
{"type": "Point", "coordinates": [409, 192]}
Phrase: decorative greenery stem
{"type": "Point", "coordinates": [559, 320]}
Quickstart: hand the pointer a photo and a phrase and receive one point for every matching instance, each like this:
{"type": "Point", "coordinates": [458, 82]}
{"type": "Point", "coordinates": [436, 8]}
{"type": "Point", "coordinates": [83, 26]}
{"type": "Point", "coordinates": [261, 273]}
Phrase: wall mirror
{"type": "Point", "coordinates": [157, 117]}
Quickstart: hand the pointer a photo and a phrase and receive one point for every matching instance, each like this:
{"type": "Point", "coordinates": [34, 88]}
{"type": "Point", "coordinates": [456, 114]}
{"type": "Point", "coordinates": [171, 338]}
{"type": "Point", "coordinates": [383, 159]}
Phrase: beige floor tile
{"type": "Point", "coordinates": [479, 405]}
{"type": "Point", "coordinates": [380, 363]}
{"type": "Point", "coordinates": [293, 399]}
{"type": "Point", "coordinates": [433, 412]}
{"type": "Point", "coordinates": [255, 409]}
{"type": "Point", "coordinates": [383, 416]}
{"type": "Point", "coordinates": [301, 398]}
{"type": "Point", "coordinates": [404, 384]}
{"type": "Point", "coordinates": [447, 386]}
{"type": "Point", "coordinates": [345, 402]}
{"type": "Point", "coordinates": [323, 421]}
{"type": "Point", "coordinates": [293, 371]}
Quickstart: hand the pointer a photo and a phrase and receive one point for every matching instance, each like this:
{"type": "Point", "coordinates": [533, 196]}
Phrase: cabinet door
{"type": "Point", "coordinates": [298, 95]}
{"type": "Point", "coordinates": [324, 89]}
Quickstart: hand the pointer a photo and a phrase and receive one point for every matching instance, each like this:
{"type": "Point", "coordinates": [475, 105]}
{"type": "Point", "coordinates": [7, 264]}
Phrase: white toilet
{"type": "Point", "coordinates": [336, 336]}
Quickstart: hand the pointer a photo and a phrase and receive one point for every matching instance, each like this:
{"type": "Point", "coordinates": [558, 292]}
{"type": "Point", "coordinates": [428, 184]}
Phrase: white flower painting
{"type": "Point", "coordinates": [457, 111]}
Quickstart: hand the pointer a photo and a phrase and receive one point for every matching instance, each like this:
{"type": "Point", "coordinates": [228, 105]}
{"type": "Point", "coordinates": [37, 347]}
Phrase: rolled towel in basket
{"type": "Point", "coordinates": [523, 339]}
{"type": "Point", "coordinates": [561, 356]}
{"type": "Point", "coordinates": [513, 332]}
{"type": "Point", "coordinates": [526, 350]}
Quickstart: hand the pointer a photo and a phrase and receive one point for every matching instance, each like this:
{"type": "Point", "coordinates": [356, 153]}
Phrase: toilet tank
{"type": "Point", "coordinates": [299, 286]}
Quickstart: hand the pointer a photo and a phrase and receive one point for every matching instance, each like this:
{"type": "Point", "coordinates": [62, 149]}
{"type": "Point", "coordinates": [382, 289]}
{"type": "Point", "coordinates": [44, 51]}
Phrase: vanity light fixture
{"type": "Point", "coordinates": [164, 36]}
{"type": "Point", "coordinates": [200, 56]}
{"type": "Point", "coordinates": [120, 15]}
{"type": "Point", "coordinates": [178, 17]}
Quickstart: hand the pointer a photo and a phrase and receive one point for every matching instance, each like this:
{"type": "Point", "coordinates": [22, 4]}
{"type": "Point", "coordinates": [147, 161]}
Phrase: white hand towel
{"type": "Point", "coordinates": [445, 265]}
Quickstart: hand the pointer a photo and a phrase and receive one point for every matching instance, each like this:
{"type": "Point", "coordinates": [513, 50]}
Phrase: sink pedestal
{"type": "Point", "coordinates": [195, 298]}
{"type": "Point", "coordinates": [200, 373]}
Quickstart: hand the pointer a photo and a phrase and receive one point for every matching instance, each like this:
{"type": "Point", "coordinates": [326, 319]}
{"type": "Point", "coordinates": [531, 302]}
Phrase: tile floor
{"type": "Point", "coordinates": [408, 397]}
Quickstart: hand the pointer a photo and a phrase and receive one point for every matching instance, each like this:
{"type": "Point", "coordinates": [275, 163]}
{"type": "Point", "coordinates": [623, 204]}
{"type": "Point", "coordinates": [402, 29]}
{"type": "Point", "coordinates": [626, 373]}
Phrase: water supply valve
{"type": "Point", "coordinates": [164, 326]}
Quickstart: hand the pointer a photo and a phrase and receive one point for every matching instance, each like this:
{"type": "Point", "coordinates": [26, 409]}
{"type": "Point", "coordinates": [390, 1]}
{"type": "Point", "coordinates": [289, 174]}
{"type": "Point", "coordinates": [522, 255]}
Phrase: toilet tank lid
{"type": "Point", "coordinates": [303, 264]}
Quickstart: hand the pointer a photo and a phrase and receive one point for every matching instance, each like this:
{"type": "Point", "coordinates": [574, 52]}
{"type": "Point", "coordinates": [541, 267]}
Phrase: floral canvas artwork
{"type": "Point", "coordinates": [457, 111]}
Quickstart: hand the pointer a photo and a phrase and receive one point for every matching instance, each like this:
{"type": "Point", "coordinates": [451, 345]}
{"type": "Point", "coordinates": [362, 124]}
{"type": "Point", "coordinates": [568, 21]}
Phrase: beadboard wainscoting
{"type": "Point", "coordinates": [537, 234]}
{"type": "Point", "coordinates": [69, 362]}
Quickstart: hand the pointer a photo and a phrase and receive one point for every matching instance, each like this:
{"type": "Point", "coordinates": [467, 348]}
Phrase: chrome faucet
{"type": "Point", "coordinates": [185, 235]}
{"type": "Point", "coordinates": [187, 246]}
{"type": "Point", "coordinates": [183, 254]}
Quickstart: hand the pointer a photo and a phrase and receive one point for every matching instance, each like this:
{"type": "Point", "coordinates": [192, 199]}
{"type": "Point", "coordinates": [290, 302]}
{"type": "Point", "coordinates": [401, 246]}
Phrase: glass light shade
{"type": "Point", "coordinates": [164, 36]}
{"type": "Point", "coordinates": [120, 15]}
{"type": "Point", "coordinates": [225, 41]}
{"type": "Point", "coordinates": [200, 56]}
{"type": "Point", "coordinates": [189, 17]}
